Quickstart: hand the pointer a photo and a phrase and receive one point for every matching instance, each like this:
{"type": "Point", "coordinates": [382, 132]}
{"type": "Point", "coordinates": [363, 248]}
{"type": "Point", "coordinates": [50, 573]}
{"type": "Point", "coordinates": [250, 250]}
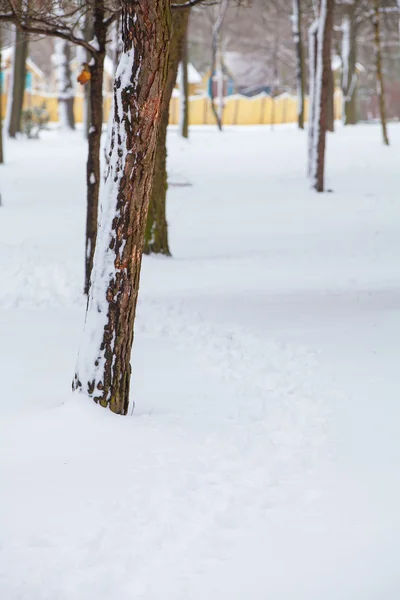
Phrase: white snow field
{"type": "Point", "coordinates": [262, 460]}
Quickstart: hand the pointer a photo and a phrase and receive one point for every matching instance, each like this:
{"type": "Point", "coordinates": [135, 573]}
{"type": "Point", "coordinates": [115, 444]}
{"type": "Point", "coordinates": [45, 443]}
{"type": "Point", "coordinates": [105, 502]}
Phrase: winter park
{"type": "Point", "coordinates": [199, 300]}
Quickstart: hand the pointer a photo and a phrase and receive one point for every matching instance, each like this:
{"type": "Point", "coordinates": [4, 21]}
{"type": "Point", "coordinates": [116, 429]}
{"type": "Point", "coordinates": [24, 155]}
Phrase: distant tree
{"type": "Point", "coordinates": [17, 83]}
{"type": "Point", "coordinates": [319, 113]}
{"type": "Point", "coordinates": [103, 371]}
{"type": "Point", "coordinates": [184, 91]}
{"type": "Point", "coordinates": [217, 63]}
{"type": "Point", "coordinates": [156, 239]}
{"type": "Point", "coordinates": [61, 61]}
{"type": "Point", "coordinates": [349, 53]}
{"type": "Point", "coordinates": [298, 43]}
{"type": "Point", "coordinates": [380, 87]}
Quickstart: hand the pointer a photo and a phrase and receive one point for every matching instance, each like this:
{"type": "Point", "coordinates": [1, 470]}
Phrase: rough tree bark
{"type": "Point", "coordinates": [184, 91]}
{"type": "Point", "coordinates": [349, 53]}
{"type": "Point", "coordinates": [298, 43]}
{"type": "Point", "coordinates": [18, 82]}
{"type": "Point", "coordinates": [378, 65]}
{"type": "Point", "coordinates": [320, 121]}
{"type": "Point", "coordinates": [156, 238]}
{"type": "Point", "coordinates": [93, 174]}
{"type": "Point", "coordinates": [103, 371]}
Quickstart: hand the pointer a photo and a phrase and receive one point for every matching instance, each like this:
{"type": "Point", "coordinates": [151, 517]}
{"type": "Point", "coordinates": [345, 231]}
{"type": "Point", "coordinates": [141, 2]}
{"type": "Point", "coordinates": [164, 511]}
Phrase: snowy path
{"type": "Point", "coordinates": [263, 456]}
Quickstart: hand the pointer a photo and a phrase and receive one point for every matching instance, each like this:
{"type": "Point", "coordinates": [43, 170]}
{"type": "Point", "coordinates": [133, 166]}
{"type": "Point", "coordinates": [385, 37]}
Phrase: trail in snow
{"type": "Point", "coordinates": [262, 456]}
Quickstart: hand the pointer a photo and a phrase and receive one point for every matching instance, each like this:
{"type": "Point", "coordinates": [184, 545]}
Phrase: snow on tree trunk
{"type": "Point", "coordinates": [17, 84]}
{"type": "Point", "coordinates": [298, 43]}
{"type": "Point", "coordinates": [349, 75]}
{"type": "Point", "coordinates": [379, 75]}
{"type": "Point", "coordinates": [156, 237]}
{"type": "Point", "coordinates": [321, 85]}
{"type": "Point", "coordinates": [184, 92]}
{"type": "Point", "coordinates": [116, 49]}
{"type": "Point", "coordinates": [312, 59]}
{"type": "Point", "coordinates": [103, 371]}
{"type": "Point", "coordinates": [65, 93]}
{"type": "Point", "coordinates": [217, 64]}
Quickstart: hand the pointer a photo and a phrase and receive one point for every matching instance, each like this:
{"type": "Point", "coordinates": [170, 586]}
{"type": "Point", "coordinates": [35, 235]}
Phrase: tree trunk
{"type": "Point", "coordinates": [62, 58]}
{"type": "Point", "coordinates": [116, 49]}
{"type": "Point", "coordinates": [331, 99]}
{"type": "Point", "coordinates": [103, 371]}
{"type": "Point", "coordinates": [18, 82]}
{"type": "Point", "coordinates": [217, 64]}
{"type": "Point", "coordinates": [88, 35]}
{"type": "Point", "coordinates": [184, 91]}
{"type": "Point", "coordinates": [320, 123]}
{"type": "Point", "coordinates": [156, 238]}
{"type": "Point", "coordinates": [298, 43]}
{"type": "Point", "coordinates": [312, 51]}
{"type": "Point", "coordinates": [379, 75]}
{"type": "Point", "coordinates": [349, 73]}
{"type": "Point", "coordinates": [93, 174]}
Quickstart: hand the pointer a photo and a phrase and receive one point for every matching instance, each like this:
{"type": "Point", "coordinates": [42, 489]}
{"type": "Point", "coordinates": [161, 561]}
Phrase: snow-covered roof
{"type": "Point", "coordinates": [6, 54]}
{"type": "Point", "coordinates": [193, 74]}
{"type": "Point", "coordinates": [337, 64]}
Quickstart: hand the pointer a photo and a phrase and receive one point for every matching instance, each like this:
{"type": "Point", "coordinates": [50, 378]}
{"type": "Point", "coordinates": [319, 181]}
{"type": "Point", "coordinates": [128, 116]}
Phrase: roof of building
{"type": "Point", "coordinates": [6, 54]}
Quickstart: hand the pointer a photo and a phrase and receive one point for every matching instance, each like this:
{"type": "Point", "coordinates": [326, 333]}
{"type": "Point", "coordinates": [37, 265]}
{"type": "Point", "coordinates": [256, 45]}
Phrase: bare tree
{"type": "Point", "coordinates": [156, 238]}
{"type": "Point", "coordinates": [184, 91]}
{"type": "Point", "coordinates": [298, 43]}
{"type": "Point", "coordinates": [217, 64]}
{"type": "Point", "coordinates": [376, 23]}
{"type": "Point", "coordinates": [17, 83]}
{"type": "Point", "coordinates": [349, 74]}
{"type": "Point", "coordinates": [319, 124]}
{"type": "Point", "coordinates": [61, 61]}
{"type": "Point", "coordinates": [103, 371]}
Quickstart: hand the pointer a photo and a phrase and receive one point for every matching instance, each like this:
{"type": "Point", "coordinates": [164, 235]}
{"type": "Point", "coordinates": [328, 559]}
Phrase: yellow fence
{"type": "Point", "coordinates": [238, 110]}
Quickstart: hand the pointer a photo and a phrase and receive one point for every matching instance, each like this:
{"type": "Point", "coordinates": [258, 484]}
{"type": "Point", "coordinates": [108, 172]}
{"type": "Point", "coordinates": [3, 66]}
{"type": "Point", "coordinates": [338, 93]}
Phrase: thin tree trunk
{"type": "Point", "coordinates": [331, 99]}
{"type": "Point", "coordinates": [217, 63]}
{"type": "Point", "coordinates": [18, 81]}
{"type": "Point", "coordinates": [184, 91]}
{"type": "Point", "coordinates": [103, 371]}
{"type": "Point", "coordinates": [93, 174]}
{"type": "Point", "coordinates": [379, 75]}
{"type": "Point", "coordinates": [88, 35]}
{"type": "Point", "coordinates": [312, 51]}
{"type": "Point", "coordinates": [156, 238]}
{"type": "Point", "coordinates": [320, 123]}
{"type": "Point", "coordinates": [349, 74]}
{"type": "Point", "coordinates": [298, 43]}
{"type": "Point", "coordinates": [62, 57]}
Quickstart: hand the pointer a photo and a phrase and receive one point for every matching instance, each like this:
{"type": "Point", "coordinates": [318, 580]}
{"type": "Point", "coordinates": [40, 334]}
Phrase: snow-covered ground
{"type": "Point", "coordinates": [263, 456]}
